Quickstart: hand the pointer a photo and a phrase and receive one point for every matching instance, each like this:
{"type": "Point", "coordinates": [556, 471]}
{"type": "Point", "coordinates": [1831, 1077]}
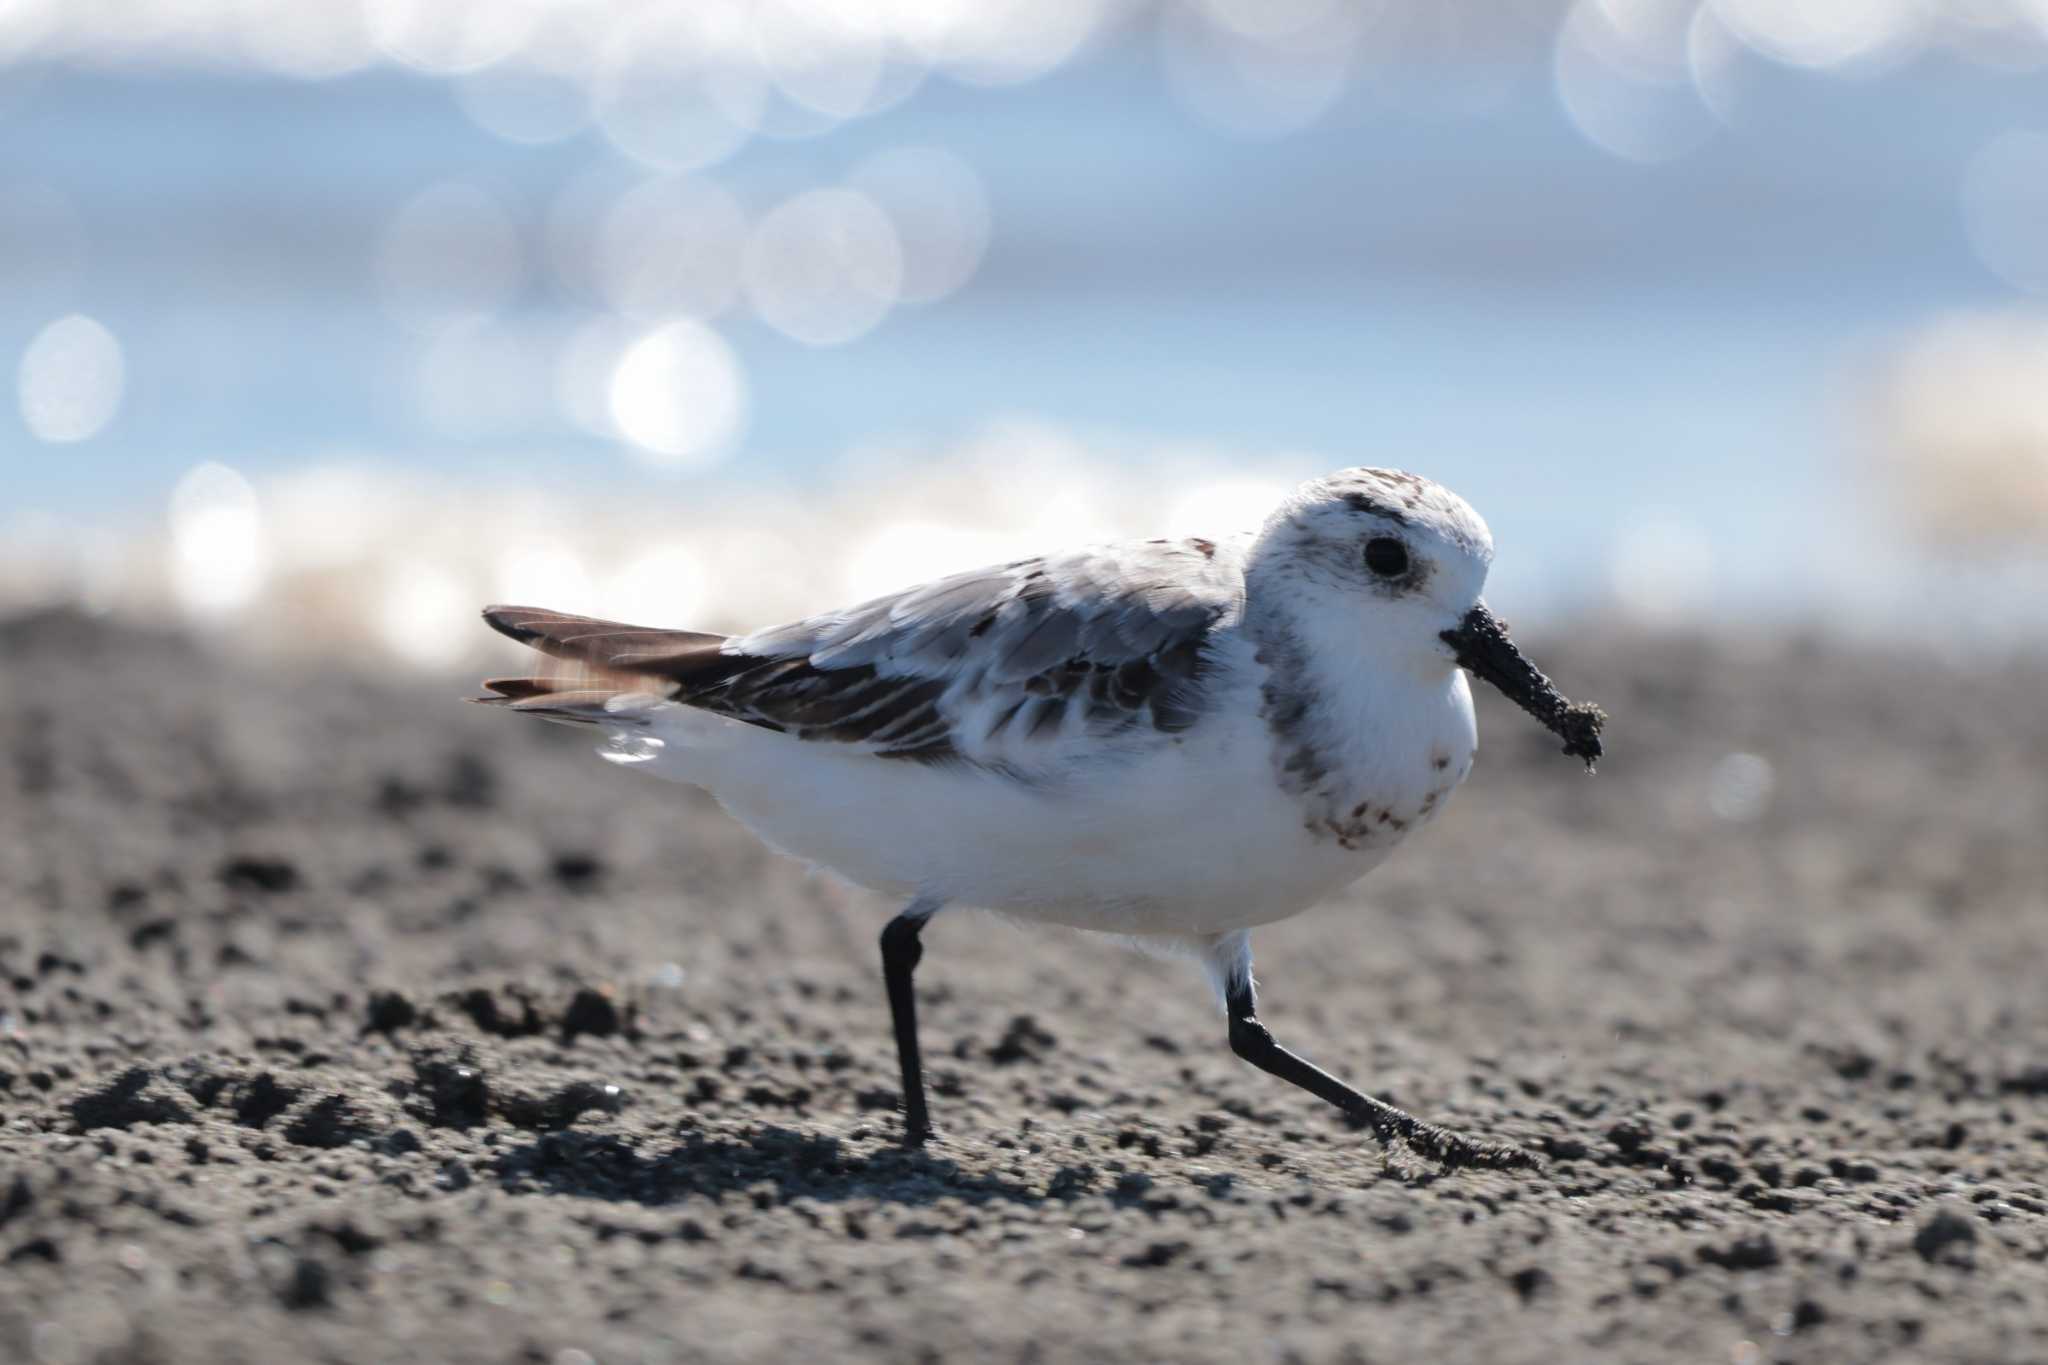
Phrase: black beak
{"type": "Point", "coordinates": [1485, 651]}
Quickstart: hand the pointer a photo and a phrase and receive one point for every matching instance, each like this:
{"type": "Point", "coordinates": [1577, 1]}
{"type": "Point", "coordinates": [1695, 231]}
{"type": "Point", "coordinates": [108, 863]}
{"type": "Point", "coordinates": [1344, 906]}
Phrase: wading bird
{"type": "Point", "coordinates": [1170, 740]}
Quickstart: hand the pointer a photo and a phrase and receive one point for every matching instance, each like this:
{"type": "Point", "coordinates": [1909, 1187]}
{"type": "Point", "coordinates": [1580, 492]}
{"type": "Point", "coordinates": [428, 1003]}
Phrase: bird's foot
{"type": "Point", "coordinates": [1450, 1150]}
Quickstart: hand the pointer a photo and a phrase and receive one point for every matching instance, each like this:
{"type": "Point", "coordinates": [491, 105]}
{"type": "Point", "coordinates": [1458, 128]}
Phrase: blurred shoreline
{"type": "Point", "coordinates": [384, 573]}
{"type": "Point", "coordinates": [330, 322]}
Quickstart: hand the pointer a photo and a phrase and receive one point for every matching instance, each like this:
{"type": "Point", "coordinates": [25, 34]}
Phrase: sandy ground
{"type": "Point", "coordinates": [339, 1021]}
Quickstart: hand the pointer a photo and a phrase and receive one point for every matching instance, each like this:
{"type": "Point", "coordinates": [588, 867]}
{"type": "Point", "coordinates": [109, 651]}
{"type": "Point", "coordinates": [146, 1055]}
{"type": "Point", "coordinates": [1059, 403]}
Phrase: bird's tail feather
{"type": "Point", "coordinates": [610, 673]}
{"type": "Point", "coordinates": [681, 656]}
{"type": "Point", "coordinates": [561, 699]}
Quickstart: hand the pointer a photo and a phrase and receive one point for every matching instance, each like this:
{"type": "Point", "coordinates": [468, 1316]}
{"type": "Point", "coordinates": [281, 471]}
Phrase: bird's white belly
{"type": "Point", "coordinates": [1191, 838]}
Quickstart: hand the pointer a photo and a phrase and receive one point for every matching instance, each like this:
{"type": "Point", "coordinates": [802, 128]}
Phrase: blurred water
{"type": "Point", "coordinates": [1606, 357]}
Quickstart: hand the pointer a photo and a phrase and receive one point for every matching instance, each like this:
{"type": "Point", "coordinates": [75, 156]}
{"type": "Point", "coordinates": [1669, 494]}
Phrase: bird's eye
{"type": "Point", "coordinates": [1386, 556]}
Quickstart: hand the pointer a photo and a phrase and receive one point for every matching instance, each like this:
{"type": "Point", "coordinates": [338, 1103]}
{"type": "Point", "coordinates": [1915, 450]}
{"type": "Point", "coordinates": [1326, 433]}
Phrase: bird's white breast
{"type": "Point", "coordinates": [1199, 835]}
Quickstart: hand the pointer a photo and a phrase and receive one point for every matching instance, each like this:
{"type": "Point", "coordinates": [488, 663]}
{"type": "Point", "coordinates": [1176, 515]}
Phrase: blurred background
{"type": "Point", "coordinates": [325, 321]}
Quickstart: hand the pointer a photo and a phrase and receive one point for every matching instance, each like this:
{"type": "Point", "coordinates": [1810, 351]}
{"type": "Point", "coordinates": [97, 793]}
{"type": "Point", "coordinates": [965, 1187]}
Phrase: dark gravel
{"type": "Point", "coordinates": [340, 1021]}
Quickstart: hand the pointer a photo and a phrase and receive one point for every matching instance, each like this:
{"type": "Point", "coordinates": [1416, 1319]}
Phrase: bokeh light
{"type": "Point", "coordinates": [663, 585]}
{"type": "Point", "coordinates": [444, 37]}
{"type": "Point", "coordinates": [1222, 507]}
{"type": "Point", "coordinates": [824, 267]}
{"type": "Point", "coordinates": [1259, 79]}
{"type": "Point", "coordinates": [679, 396]}
{"type": "Point", "coordinates": [1450, 61]}
{"type": "Point", "coordinates": [939, 209]}
{"type": "Point", "coordinates": [220, 549]}
{"type": "Point", "coordinates": [449, 257]}
{"type": "Point", "coordinates": [641, 187]}
{"type": "Point", "coordinates": [25, 25]}
{"type": "Point", "coordinates": [1723, 69]}
{"type": "Point", "coordinates": [327, 516]}
{"type": "Point", "coordinates": [819, 56]}
{"type": "Point", "coordinates": [1958, 418]}
{"type": "Point", "coordinates": [998, 42]}
{"type": "Point", "coordinates": [898, 554]}
{"type": "Point", "coordinates": [524, 104]}
{"type": "Point", "coordinates": [1827, 33]}
{"type": "Point", "coordinates": [1268, 20]}
{"type": "Point", "coordinates": [1623, 70]}
{"type": "Point", "coordinates": [666, 96]}
{"type": "Point", "coordinates": [2005, 207]}
{"type": "Point", "coordinates": [544, 571]}
{"type": "Point", "coordinates": [70, 380]}
{"type": "Point", "coordinates": [671, 245]}
{"type": "Point", "coordinates": [846, 61]}
{"type": "Point", "coordinates": [308, 42]}
{"type": "Point", "coordinates": [421, 608]}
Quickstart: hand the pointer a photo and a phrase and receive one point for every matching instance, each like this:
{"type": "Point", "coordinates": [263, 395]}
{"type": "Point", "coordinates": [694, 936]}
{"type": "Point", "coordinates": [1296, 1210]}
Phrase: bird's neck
{"type": "Point", "coordinates": [1368, 740]}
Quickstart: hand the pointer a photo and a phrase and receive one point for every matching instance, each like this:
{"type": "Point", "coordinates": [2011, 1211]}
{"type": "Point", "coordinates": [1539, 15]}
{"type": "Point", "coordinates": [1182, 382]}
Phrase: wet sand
{"type": "Point", "coordinates": [339, 1021]}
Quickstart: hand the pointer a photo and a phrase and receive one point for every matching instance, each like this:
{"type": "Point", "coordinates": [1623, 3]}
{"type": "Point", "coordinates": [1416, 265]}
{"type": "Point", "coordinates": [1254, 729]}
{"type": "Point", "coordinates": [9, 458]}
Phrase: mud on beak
{"type": "Point", "coordinates": [1483, 649]}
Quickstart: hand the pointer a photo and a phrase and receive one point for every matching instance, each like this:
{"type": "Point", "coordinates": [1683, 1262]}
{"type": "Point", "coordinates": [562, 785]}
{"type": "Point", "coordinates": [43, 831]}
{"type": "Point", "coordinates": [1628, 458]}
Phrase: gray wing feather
{"type": "Point", "coordinates": [996, 665]}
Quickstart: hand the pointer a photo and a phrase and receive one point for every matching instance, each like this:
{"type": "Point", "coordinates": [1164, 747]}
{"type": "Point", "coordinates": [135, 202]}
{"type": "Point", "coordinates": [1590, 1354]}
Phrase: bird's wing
{"type": "Point", "coordinates": [1002, 666]}
{"type": "Point", "coordinates": [1015, 666]}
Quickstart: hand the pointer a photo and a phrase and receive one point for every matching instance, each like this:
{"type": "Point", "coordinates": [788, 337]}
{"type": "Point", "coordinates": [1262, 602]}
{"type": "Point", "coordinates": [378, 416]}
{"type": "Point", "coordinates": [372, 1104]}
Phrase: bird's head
{"type": "Point", "coordinates": [1397, 563]}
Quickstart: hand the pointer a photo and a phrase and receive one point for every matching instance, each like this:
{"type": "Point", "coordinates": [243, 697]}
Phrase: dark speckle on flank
{"type": "Point", "coordinates": [1206, 548]}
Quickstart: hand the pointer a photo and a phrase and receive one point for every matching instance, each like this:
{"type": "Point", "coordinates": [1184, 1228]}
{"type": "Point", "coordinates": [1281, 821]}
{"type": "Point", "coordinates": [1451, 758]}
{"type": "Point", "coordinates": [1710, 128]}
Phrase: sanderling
{"type": "Point", "coordinates": [1171, 741]}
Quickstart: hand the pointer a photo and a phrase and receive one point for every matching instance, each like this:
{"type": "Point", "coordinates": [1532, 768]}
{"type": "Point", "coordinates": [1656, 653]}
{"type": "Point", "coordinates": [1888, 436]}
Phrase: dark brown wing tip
{"type": "Point", "coordinates": [518, 689]}
{"type": "Point", "coordinates": [515, 622]}
{"type": "Point", "coordinates": [617, 650]}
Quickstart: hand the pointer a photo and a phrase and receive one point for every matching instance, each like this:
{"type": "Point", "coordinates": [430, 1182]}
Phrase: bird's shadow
{"type": "Point", "coordinates": [794, 1165]}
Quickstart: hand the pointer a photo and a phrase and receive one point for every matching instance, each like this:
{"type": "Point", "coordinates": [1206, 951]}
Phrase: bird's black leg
{"type": "Point", "coordinates": [1250, 1040]}
{"type": "Point", "coordinates": [900, 953]}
